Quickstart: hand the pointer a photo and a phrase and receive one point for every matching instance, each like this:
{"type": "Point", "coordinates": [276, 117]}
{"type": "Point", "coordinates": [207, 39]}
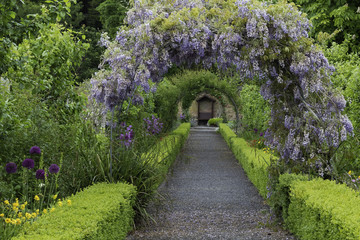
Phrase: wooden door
{"type": "Point", "coordinates": [206, 107]}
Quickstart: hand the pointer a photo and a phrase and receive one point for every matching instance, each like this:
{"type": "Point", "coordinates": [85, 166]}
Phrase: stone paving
{"type": "Point", "coordinates": [207, 195]}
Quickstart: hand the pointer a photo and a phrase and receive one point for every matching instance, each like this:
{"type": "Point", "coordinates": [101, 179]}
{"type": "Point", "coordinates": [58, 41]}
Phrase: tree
{"type": "Point", "coordinates": [341, 16]}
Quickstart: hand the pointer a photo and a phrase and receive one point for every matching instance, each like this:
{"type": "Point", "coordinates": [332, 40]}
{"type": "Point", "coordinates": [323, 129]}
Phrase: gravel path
{"type": "Point", "coordinates": [208, 196]}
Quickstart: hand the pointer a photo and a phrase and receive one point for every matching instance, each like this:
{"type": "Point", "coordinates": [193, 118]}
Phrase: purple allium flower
{"type": "Point", "coordinates": [54, 168]}
{"type": "Point", "coordinates": [11, 167]}
{"type": "Point", "coordinates": [28, 163]}
{"type": "Point", "coordinates": [255, 130]}
{"type": "Point", "coordinates": [35, 150]}
{"type": "Point", "coordinates": [261, 134]}
{"type": "Point", "coordinates": [40, 174]}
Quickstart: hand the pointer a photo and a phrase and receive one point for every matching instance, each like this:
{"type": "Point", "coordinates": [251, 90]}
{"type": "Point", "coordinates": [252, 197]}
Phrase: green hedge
{"type": "Point", "coordinates": [253, 161]}
{"type": "Point", "coordinates": [166, 150]}
{"type": "Point", "coordinates": [101, 211]}
{"type": "Point", "coordinates": [321, 209]}
{"type": "Point", "coordinates": [280, 197]}
{"type": "Point", "coordinates": [215, 121]}
{"type": "Point", "coordinates": [313, 210]}
{"type": "Point", "coordinates": [183, 131]}
{"type": "Point", "coordinates": [227, 133]}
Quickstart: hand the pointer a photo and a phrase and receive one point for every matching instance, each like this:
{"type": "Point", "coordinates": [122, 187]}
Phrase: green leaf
{"type": "Point", "coordinates": [12, 14]}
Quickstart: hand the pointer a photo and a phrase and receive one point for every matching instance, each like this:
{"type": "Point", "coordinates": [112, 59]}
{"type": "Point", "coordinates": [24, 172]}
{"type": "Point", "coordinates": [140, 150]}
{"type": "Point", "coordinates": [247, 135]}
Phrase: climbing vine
{"type": "Point", "coordinates": [255, 39]}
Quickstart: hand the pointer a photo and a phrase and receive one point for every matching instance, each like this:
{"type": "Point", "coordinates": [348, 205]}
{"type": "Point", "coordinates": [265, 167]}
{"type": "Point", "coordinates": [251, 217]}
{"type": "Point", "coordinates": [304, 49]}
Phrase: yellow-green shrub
{"type": "Point", "coordinates": [280, 198]}
{"type": "Point", "coordinates": [166, 150]}
{"type": "Point", "coordinates": [102, 211]}
{"type": "Point", "coordinates": [215, 121]}
{"type": "Point", "coordinates": [321, 209]}
{"type": "Point", "coordinates": [183, 131]}
{"type": "Point", "coordinates": [253, 161]}
{"type": "Point", "coordinates": [227, 133]}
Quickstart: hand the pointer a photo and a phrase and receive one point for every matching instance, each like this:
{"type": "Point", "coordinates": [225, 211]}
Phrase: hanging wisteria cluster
{"type": "Point", "coordinates": [260, 40]}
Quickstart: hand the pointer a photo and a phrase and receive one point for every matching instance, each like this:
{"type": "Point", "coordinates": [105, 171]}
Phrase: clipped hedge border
{"type": "Point", "coordinates": [101, 211]}
{"type": "Point", "coordinates": [253, 161]}
{"type": "Point", "coordinates": [104, 210]}
{"type": "Point", "coordinates": [314, 209]}
{"type": "Point", "coordinates": [227, 133]}
{"type": "Point", "coordinates": [167, 149]}
{"type": "Point", "coordinates": [322, 209]}
{"type": "Point", "coordinates": [215, 121]}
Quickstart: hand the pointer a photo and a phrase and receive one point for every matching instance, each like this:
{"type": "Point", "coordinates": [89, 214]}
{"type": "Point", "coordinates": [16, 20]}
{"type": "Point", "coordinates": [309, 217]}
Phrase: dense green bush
{"type": "Point", "coordinates": [255, 110]}
{"type": "Point", "coordinates": [102, 211]}
{"type": "Point", "coordinates": [322, 209]}
{"type": "Point", "coordinates": [279, 199]}
{"type": "Point", "coordinates": [252, 160]}
{"type": "Point", "coordinates": [227, 133]}
{"type": "Point", "coordinates": [345, 78]}
{"type": "Point", "coordinates": [215, 121]}
{"type": "Point", "coordinates": [167, 98]}
{"type": "Point", "coordinates": [341, 17]}
{"type": "Point", "coordinates": [166, 150]}
{"type": "Point", "coordinates": [183, 131]}
{"type": "Point", "coordinates": [46, 65]}
{"type": "Point", "coordinates": [112, 14]}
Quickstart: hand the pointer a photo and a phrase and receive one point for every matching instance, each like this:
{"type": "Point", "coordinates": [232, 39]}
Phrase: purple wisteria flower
{"type": "Point", "coordinates": [28, 163]}
{"type": "Point", "coordinates": [54, 168]}
{"type": "Point", "coordinates": [11, 167]}
{"type": "Point", "coordinates": [40, 174]}
{"type": "Point", "coordinates": [35, 150]}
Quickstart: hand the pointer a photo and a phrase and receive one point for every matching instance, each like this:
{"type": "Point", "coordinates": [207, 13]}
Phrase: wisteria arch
{"type": "Point", "coordinates": [258, 40]}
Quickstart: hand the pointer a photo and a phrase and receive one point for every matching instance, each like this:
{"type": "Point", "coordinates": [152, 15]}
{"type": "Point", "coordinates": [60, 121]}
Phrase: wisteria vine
{"type": "Point", "coordinates": [257, 39]}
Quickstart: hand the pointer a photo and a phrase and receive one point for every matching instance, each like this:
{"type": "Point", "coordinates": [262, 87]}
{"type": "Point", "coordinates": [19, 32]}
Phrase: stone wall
{"type": "Point", "coordinates": [219, 110]}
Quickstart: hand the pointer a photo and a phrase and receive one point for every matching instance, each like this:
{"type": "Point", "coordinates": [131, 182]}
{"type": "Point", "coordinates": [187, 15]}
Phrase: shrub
{"type": "Point", "coordinates": [280, 196]}
{"type": "Point", "coordinates": [166, 150]}
{"type": "Point", "coordinates": [227, 133]}
{"type": "Point", "coordinates": [322, 209]}
{"type": "Point", "coordinates": [215, 121]}
{"type": "Point", "coordinates": [253, 161]}
{"type": "Point", "coordinates": [183, 131]}
{"type": "Point", "coordinates": [255, 110]}
{"type": "Point", "coordinates": [102, 211]}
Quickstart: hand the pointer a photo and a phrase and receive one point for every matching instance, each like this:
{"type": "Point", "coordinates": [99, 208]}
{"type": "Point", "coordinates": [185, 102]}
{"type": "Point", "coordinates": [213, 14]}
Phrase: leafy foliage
{"type": "Point", "coordinates": [112, 15]}
{"type": "Point", "coordinates": [255, 110]}
{"type": "Point", "coordinates": [46, 66]}
{"type": "Point", "coordinates": [340, 17]}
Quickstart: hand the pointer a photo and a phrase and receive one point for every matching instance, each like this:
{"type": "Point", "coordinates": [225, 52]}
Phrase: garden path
{"type": "Point", "coordinates": [207, 195]}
